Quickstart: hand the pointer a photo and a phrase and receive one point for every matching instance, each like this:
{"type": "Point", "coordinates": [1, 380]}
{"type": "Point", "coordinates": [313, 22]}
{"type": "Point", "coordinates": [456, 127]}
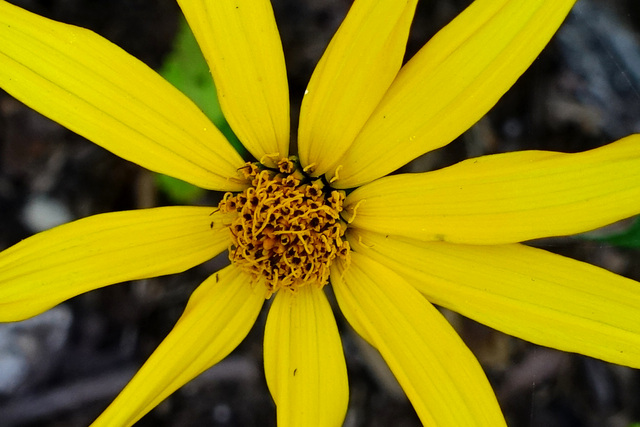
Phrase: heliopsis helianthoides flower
{"type": "Point", "coordinates": [390, 247]}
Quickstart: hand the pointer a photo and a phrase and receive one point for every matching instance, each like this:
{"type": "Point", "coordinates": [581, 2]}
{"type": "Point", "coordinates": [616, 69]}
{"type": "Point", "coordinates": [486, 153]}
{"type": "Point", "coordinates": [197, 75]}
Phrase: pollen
{"type": "Point", "coordinates": [287, 229]}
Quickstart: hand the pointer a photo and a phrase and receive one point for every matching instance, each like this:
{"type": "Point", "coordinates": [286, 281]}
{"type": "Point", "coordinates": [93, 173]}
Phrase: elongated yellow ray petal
{"type": "Point", "coordinates": [101, 250]}
{"type": "Point", "coordinates": [452, 82]}
{"type": "Point", "coordinates": [97, 90]}
{"type": "Point", "coordinates": [219, 315]}
{"type": "Point", "coordinates": [526, 292]}
{"type": "Point", "coordinates": [440, 375]}
{"type": "Point", "coordinates": [241, 44]}
{"type": "Point", "coordinates": [303, 360]}
{"type": "Point", "coordinates": [506, 198]}
{"type": "Point", "coordinates": [355, 71]}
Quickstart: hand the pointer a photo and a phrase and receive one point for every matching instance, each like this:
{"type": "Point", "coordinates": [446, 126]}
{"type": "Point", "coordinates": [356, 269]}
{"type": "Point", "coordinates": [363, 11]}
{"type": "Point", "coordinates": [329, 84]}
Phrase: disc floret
{"type": "Point", "coordinates": [287, 230]}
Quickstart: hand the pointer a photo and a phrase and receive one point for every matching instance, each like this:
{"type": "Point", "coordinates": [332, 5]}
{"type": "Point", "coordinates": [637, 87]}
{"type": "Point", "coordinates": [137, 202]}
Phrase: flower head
{"type": "Point", "coordinates": [390, 248]}
{"type": "Point", "coordinates": [285, 232]}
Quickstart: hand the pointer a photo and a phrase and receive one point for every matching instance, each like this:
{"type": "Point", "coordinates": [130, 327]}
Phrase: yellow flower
{"type": "Point", "coordinates": [392, 247]}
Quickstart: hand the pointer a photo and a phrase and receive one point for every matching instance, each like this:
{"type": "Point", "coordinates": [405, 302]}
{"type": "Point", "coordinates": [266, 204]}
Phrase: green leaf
{"type": "Point", "coordinates": [629, 238]}
{"type": "Point", "coordinates": [177, 190]}
{"type": "Point", "coordinates": [186, 69]}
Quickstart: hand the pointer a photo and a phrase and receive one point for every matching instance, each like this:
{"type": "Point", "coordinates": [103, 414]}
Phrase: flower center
{"type": "Point", "coordinates": [287, 230]}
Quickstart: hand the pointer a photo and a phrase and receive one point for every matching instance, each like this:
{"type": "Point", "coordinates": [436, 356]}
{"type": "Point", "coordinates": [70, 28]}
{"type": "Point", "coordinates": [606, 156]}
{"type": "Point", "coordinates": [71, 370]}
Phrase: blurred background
{"type": "Point", "coordinates": [62, 368]}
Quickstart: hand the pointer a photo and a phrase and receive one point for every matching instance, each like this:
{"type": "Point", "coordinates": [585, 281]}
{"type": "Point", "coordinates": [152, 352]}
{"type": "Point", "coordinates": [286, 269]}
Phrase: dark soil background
{"type": "Point", "coordinates": [64, 367]}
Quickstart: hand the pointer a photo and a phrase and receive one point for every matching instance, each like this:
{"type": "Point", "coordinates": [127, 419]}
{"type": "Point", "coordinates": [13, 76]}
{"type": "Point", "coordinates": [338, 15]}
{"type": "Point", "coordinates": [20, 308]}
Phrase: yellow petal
{"type": "Point", "coordinates": [452, 82]}
{"type": "Point", "coordinates": [241, 44]}
{"type": "Point", "coordinates": [101, 250]}
{"type": "Point", "coordinates": [303, 360]}
{"type": "Point", "coordinates": [506, 198]}
{"type": "Point", "coordinates": [526, 292]}
{"type": "Point", "coordinates": [355, 71]}
{"type": "Point", "coordinates": [219, 315]}
{"type": "Point", "coordinates": [97, 90]}
{"type": "Point", "coordinates": [440, 375]}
